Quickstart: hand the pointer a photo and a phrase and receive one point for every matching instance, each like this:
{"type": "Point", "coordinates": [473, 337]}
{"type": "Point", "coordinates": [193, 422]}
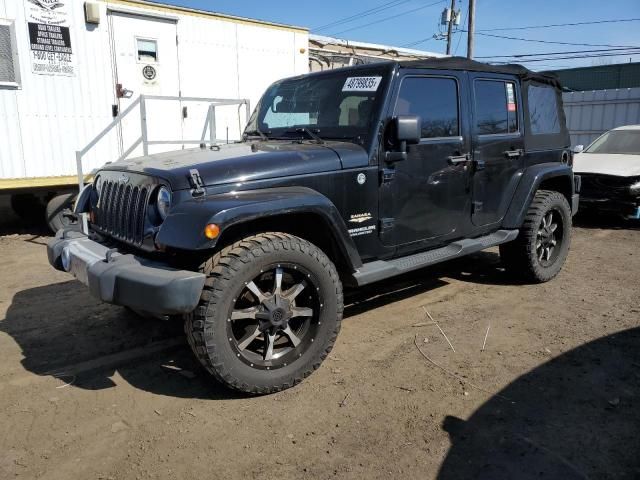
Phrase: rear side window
{"type": "Point", "coordinates": [496, 107]}
{"type": "Point", "coordinates": [543, 110]}
{"type": "Point", "coordinates": [435, 100]}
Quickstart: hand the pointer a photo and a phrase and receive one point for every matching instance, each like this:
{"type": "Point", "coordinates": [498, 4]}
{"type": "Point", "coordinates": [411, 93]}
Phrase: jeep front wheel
{"type": "Point", "coordinates": [542, 245]}
{"type": "Point", "coordinates": [269, 313]}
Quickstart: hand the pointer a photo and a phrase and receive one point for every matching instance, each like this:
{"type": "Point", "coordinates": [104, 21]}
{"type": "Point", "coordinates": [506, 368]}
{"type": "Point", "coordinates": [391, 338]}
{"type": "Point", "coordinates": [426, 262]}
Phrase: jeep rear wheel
{"type": "Point", "coordinates": [543, 243]}
{"type": "Point", "coordinates": [269, 313]}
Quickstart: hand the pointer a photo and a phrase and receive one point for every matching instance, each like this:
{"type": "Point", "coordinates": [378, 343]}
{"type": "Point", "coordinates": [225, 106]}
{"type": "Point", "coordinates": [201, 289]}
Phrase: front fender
{"type": "Point", "coordinates": [532, 178]}
{"type": "Point", "coordinates": [184, 226]}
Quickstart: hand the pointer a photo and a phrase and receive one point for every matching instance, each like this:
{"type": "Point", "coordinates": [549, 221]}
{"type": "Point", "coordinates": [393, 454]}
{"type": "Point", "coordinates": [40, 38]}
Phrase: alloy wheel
{"type": "Point", "coordinates": [548, 238]}
{"type": "Point", "coordinates": [275, 317]}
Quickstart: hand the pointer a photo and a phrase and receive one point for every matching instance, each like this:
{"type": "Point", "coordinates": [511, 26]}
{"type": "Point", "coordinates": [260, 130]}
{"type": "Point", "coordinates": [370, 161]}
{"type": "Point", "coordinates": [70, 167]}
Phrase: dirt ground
{"type": "Point", "coordinates": [89, 391]}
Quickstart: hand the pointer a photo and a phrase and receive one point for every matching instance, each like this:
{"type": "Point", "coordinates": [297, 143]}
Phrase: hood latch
{"type": "Point", "coordinates": [196, 183]}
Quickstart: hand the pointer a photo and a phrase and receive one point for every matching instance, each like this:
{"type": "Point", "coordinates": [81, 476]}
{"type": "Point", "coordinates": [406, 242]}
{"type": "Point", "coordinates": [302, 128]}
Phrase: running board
{"type": "Point", "coordinates": [381, 269]}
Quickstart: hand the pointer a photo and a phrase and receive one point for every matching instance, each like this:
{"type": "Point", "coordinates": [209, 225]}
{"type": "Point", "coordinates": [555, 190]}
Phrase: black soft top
{"type": "Point", "coordinates": [462, 63]}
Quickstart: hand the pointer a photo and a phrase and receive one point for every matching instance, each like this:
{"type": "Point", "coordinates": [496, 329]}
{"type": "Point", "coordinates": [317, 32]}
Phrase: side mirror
{"type": "Point", "coordinates": [408, 129]}
{"type": "Point", "coordinates": [578, 148]}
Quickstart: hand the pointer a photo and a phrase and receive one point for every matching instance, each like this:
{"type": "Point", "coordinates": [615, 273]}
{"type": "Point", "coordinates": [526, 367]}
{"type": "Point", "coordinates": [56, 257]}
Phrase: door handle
{"type": "Point", "coordinates": [513, 153]}
{"type": "Point", "coordinates": [458, 159]}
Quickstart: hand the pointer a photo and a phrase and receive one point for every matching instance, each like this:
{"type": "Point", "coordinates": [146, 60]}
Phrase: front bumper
{"type": "Point", "coordinates": [125, 279]}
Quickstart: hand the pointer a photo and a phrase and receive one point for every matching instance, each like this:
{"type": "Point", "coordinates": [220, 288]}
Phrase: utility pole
{"type": "Point", "coordinates": [471, 28]}
{"type": "Point", "coordinates": [452, 19]}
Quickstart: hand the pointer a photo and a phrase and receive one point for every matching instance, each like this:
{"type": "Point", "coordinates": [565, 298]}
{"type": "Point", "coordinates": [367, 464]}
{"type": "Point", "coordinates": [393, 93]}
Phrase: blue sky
{"type": "Point", "coordinates": [422, 22]}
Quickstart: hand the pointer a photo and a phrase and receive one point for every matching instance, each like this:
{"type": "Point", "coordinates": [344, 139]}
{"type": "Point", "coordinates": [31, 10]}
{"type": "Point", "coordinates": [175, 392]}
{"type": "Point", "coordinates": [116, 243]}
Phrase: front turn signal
{"type": "Point", "coordinates": [212, 231]}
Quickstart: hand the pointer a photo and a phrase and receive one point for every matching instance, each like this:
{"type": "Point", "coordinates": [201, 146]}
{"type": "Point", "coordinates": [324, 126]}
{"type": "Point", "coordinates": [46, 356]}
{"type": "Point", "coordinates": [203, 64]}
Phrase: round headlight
{"type": "Point", "coordinates": [96, 191]}
{"type": "Point", "coordinates": [635, 188]}
{"type": "Point", "coordinates": [97, 185]}
{"type": "Point", "coordinates": [163, 202]}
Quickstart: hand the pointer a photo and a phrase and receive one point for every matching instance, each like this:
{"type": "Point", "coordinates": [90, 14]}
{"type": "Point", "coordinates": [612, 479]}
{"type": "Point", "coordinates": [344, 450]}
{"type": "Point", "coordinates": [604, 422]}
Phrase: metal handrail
{"type": "Point", "coordinates": [144, 140]}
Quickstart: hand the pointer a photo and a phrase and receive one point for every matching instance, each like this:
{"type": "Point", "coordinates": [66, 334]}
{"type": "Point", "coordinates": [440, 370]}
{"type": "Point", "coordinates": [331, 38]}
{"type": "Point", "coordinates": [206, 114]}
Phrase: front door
{"type": "Point", "coordinates": [145, 54]}
{"type": "Point", "coordinates": [426, 197]}
{"type": "Point", "coordinates": [497, 146]}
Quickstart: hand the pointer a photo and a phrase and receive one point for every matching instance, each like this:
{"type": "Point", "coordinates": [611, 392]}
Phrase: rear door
{"type": "Point", "coordinates": [498, 145]}
{"type": "Point", "coordinates": [426, 197]}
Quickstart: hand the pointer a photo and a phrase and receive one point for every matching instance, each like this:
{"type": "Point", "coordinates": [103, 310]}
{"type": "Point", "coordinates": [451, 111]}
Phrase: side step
{"type": "Point", "coordinates": [381, 269]}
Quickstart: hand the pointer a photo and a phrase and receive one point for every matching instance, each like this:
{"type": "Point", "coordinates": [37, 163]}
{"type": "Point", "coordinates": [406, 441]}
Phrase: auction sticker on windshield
{"type": "Point", "coordinates": [361, 84]}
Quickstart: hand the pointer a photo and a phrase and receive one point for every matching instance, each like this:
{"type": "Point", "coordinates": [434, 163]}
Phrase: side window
{"type": "Point", "coordinates": [496, 108]}
{"type": "Point", "coordinates": [435, 100]}
{"type": "Point", "coordinates": [543, 110]}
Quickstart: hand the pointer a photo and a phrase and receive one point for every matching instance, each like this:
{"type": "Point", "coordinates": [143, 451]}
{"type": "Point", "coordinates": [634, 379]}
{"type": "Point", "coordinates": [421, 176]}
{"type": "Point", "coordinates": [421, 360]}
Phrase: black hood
{"type": "Point", "coordinates": [245, 162]}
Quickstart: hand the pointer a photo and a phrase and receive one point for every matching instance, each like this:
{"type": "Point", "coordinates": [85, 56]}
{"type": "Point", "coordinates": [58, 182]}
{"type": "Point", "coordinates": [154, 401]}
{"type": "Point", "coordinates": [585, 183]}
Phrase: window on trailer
{"type": "Point", "coordinates": [147, 50]}
{"type": "Point", "coordinates": [9, 71]}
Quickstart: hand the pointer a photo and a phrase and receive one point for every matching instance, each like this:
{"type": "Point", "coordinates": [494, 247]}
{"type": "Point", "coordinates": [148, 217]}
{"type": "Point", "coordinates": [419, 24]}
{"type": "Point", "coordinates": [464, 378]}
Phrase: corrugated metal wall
{"type": "Point", "coordinates": [590, 114]}
{"type": "Point", "coordinates": [233, 60]}
{"type": "Point", "coordinates": [44, 121]}
{"type": "Point", "coordinates": [48, 118]}
{"type": "Point", "coordinates": [600, 77]}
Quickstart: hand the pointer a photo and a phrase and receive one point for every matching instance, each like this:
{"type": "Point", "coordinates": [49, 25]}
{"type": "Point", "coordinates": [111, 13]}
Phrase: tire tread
{"type": "Point", "coordinates": [220, 269]}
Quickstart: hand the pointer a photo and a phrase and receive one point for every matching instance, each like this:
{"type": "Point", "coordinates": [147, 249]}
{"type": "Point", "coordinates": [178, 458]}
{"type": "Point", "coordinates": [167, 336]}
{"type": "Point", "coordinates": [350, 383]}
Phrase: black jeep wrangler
{"type": "Point", "coordinates": [346, 177]}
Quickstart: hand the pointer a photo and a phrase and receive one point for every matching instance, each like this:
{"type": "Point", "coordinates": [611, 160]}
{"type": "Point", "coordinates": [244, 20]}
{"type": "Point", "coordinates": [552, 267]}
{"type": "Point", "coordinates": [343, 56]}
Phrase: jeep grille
{"type": "Point", "coordinates": [122, 210]}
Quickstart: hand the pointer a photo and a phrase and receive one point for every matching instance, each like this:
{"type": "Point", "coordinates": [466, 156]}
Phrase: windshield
{"type": "Point", "coordinates": [337, 105]}
{"type": "Point", "coordinates": [617, 141]}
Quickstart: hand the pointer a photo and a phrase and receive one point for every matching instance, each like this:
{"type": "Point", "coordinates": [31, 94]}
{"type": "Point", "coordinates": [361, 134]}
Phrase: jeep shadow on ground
{"type": "Point", "coordinates": [64, 333]}
{"type": "Point", "coordinates": [576, 416]}
{"type": "Point", "coordinates": [61, 329]}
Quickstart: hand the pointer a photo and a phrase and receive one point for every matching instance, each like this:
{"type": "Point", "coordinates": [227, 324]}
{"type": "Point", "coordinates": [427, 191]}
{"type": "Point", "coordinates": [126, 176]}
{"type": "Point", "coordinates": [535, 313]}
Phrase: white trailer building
{"type": "Point", "coordinates": [68, 68]}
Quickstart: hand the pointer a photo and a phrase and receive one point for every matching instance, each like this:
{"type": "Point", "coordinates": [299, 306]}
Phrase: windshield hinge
{"type": "Point", "coordinates": [196, 183]}
{"type": "Point", "coordinates": [387, 175]}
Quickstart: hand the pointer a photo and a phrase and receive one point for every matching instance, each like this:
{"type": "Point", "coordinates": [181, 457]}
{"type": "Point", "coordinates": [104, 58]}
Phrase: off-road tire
{"type": "Point", "coordinates": [520, 257]}
{"type": "Point", "coordinates": [54, 212]}
{"type": "Point", "coordinates": [227, 271]}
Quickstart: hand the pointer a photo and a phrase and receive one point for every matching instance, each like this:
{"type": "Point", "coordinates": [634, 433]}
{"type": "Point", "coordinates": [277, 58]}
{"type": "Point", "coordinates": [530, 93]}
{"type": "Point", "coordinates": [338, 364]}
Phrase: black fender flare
{"type": "Point", "coordinates": [530, 182]}
{"type": "Point", "coordinates": [184, 226]}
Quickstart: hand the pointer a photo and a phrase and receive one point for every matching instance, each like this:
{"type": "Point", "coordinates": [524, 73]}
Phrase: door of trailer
{"type": "Point", "coordinates": [145, 56]}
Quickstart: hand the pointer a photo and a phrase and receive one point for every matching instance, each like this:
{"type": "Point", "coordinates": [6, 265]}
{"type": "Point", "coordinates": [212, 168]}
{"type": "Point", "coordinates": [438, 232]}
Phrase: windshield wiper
{"type": "Point", "coordinates": [310, 133]}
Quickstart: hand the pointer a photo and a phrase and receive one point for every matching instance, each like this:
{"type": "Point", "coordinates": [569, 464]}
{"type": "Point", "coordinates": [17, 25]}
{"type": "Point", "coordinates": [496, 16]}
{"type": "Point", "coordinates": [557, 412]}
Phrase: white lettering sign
{"type": "Point", "coordinates": [50, 37]}
{"type": "Point", "coordinates": [361, 84]}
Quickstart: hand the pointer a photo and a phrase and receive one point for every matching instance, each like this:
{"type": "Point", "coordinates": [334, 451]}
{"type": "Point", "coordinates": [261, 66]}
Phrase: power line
{"type": "Point", "coordinates": [389, 18]}
{"type": "Point", "coordinates": [595, 55]}
{"type": "Point", "coordinates": [560, 25]}
{"type": "Point", "coordinates": [364, 13]}
{"type": "Point", "coordinates": [552, 42]}
{"type": "Point", "coordinates": [417, 42]}
{"type": "Point", "coordinates": [424, 40]}
{"type": "Point", "coordinates": [518, 55]}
